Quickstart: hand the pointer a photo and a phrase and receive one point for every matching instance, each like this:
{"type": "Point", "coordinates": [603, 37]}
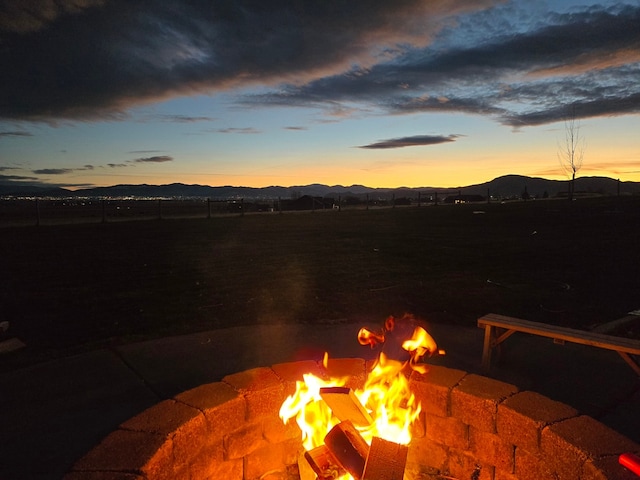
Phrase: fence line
{"type": "Point", "coordinates": [48, 211]}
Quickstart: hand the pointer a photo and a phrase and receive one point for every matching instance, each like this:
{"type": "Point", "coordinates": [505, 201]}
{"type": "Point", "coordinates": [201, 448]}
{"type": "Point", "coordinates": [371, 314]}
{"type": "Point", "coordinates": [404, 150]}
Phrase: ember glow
{"type": "Point", "coordinates": [386, 395]}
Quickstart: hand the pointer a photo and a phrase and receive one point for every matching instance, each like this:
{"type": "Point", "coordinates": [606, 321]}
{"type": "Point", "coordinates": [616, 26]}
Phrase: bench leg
{"type": "Point", "coordinates": [486, 349]}
{"type": "Point", "coordinates": [632, 363]}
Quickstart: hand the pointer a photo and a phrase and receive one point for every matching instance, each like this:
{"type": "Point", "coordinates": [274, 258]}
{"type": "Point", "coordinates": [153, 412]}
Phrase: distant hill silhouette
{"type": "Point", "coordinates": [508, 186]}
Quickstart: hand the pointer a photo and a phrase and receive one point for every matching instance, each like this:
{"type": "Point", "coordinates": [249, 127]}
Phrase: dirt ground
{"type": "Point", "coordinates": [71, 287]}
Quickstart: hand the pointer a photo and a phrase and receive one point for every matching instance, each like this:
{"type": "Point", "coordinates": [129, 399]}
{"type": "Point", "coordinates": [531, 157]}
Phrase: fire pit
{"type": "Point", "coordinates": [465, 426]}
{"type": "Point", "coordinates": [231, 430]}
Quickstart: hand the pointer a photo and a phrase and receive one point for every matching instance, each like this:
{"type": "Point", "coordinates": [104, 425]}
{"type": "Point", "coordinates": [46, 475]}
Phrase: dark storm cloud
{"type": "Point", "coordinates": [590, 59]}
{"type": "Point", "coordinates": [94, 59]}
{"type": "Point", "coordinates": [414, 141]}
{"type": "Point", "coordinates": [91, 59]}
{"type": "Point", "coordinates": [29, 15]}
{"type": "Point", "coordinates": [155, 159]}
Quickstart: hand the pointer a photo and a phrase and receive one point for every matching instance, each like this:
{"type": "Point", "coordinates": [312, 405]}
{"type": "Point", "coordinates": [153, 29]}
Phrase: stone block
{"type": "Point", "coordinates": [223, 406]}
{"type": "Point", "coordinates": [563, 457]}
{"type": "Point", "coordinates": [500, 475]}
{"type": "Point", "coordinates": [205, 462]}
{"type": "Point", "coordinates": [426, 455]}
{"type": "Point", "coordinates": [185, 425]}
{"type": "Point", "coordinates": [163, 418]}
{"type": "Point", "coordinates": [227, 470]}
{"type": "Point", "coordinates": [433, 389]}
{"type": "Point", "coordinates": [418, 428]}
{"type": "Point", "coordinates": [475, 400]}
{"type": "Point", "coordinates": [293, 372]}
{"type": "Point", "coordinates": [570, 443]}
{"type": "Point", "coordinates": [244, 441]}
{"type": "Point", "coordinates": [275, 431]}
{"type": "Point", "coordinates": [208, 396]}
{"type": "Point", "coordinates": [265, 403]}
{"type": "Point", "coordinates": [463, 465]}
{"type": "Point", "coordinates": [532, 466]}
{"type": "Point", "coordinates": [252, 380]}
{"type": "Point", "coordinates": [147, 454]}
{"type": "Point", "coordinates": [261, 388]}
{"type": "Point", "coordinates": [606, 469]}
{"type": "Point", "coordinates": [270, 458]}
{"type": "Point", "coordinates": [492, 449]}
{"type": "Point", "coordinates": [521, 418]}
{"type": "Point", "coordinates": [448, 431]}
{"type": "Point", "coordinates": [226, 418]}
{"type": "Point", "coordinates": [593, 437]}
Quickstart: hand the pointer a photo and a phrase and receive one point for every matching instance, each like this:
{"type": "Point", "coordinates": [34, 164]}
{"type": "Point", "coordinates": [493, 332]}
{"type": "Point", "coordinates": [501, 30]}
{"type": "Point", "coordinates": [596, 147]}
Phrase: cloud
{"type": "Point", "coordinates": [89, 60]}
{"type": "Point", "coordinates": [61, 171]}
{"type": "Point", "coordinates": [518, 75]}
{"type": "Point", "coordinates": [117, 165]}
{"type": "Point", "coordinates": [244, 130]}
{"type": "Point", "coordinates": [155, 159]}
{"type": "Point", "coordinates": [515, 62]}
{"type": "Point", "coordinates": [180, 118]}
{"type": "Point", "coordinates": [15, 178]}
{"type": "Point", "coordinates": [53, 171]}
{"type": "Point", "coordinates": [414, 141]}
{"type": "Point", "coordinates": [15, 133]}
{"type": "Point", "coordinates": [31, 15]}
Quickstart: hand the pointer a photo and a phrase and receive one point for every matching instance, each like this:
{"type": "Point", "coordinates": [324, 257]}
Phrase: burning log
{"type": "Point", "coordinates": [386, 460]}
{"type": "Point", "coordinates": [345, 405]}
{"type": "Point", "coordinates": [348, 447]}
{"type": "Point", "coordinates": [323, 463]}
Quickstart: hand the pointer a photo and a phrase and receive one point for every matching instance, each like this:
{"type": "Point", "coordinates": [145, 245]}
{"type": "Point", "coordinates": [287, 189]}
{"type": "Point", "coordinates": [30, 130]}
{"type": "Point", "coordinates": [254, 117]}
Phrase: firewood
{"type": "Point", "coordinates": [305, 471]}
{"type": "Point", "coordinates": [386, 460]}
{"type": "Point", "coordinates": [348, 447]}
{"type": "Point", "coordinates": [345, 405]}
{"type": "Point", "coordinates": [323, 463]}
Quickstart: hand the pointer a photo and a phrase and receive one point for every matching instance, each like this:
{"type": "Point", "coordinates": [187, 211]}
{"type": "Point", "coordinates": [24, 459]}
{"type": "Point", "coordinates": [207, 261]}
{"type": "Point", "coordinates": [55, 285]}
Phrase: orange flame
{"type": "Point", "coordinates": [386, 395]}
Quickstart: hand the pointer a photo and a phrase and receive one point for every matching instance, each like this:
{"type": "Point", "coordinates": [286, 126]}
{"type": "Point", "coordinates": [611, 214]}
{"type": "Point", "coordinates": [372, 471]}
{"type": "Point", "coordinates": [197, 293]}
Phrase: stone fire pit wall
{"type": "Point", "coordinates": [231, 430]}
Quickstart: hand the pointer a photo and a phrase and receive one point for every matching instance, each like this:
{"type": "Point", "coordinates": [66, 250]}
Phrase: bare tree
{"type": "Point", "coordinates": [571, 152]}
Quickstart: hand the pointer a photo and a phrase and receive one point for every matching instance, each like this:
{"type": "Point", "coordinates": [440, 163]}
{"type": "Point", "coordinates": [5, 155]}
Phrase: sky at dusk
{"type": "Point", "coordinates": [382, 93]}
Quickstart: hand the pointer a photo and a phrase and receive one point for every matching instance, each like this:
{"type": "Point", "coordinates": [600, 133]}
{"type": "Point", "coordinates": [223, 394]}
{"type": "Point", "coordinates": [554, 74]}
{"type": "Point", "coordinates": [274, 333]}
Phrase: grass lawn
{"type": "Point", "coordinates": [72, 287]}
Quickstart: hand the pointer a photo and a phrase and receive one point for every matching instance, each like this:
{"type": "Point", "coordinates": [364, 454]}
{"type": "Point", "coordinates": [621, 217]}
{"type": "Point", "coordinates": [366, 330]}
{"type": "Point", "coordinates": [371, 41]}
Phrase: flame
{"type": "Point", "coordinates": [386, 395]}
{"type": "Point", "coordinates": [312, 415]}
{"type": "Point", "coordinates": [388, 399]}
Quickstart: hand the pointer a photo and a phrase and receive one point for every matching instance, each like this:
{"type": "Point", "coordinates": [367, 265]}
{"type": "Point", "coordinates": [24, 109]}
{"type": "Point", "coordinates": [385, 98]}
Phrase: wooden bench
{"type": "Point", "coordinates": [497, 328]}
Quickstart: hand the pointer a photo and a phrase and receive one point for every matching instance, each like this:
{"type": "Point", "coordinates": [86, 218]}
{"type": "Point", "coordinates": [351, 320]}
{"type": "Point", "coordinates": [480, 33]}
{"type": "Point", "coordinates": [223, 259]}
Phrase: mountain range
{"type": "Point", "coordinates": [507, 186]}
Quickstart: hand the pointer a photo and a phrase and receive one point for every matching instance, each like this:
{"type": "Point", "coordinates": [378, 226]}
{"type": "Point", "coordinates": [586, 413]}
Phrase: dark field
{"type": "Point", "coordinates": [66, 288]}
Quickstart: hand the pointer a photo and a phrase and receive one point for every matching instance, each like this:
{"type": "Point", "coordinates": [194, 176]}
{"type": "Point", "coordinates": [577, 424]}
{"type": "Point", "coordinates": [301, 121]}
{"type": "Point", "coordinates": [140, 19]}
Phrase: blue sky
{"type": "Point", "coordinates": [254, 93]}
